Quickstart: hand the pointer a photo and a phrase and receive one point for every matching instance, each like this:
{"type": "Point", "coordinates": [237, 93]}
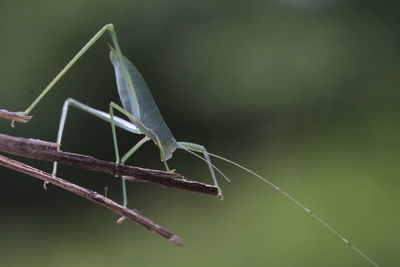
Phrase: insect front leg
{"type": "Point", "coordinates": [200, 148]}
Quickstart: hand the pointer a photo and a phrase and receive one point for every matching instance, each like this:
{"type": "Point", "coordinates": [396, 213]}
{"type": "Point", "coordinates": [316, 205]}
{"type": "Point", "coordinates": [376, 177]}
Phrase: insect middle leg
{"type": "Point", "coordinates": [115, 121]}
{"type": "Point", "coordinates": [125, 157]}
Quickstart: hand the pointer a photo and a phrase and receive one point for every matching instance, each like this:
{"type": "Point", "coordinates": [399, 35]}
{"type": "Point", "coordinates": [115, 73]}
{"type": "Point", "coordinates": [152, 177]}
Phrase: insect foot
{"type": "Point", "coordinates": [121, 220]}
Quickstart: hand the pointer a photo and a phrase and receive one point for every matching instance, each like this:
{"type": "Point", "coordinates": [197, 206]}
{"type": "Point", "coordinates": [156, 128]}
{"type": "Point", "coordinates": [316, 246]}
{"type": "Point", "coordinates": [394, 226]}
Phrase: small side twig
{"type": "Point", "coordinates": [42, 150]}
{"type": "Point", "coordinates": [92, 196]}
{"type": "Point", "coordinates": [14, 116]}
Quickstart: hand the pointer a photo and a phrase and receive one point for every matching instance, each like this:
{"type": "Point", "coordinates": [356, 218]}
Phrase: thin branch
{"type": "Point", "coordinates": [42, 150]}
{"type": "Point", "coordinates": [14, 116]}
{"type": "Point", "coordinates": [90, 195]}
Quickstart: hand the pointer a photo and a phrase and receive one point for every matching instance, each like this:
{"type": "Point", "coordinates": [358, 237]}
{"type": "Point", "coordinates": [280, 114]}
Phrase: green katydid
{"type": "Point", "coordinates": [145, 118]}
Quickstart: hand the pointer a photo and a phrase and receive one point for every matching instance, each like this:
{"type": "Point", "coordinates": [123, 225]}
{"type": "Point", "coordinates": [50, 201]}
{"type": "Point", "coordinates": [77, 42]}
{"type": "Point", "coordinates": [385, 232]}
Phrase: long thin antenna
{"type": "Point", "coordinates": [194, 154]}
{"type": "Point", "coordinates": [321, 221]}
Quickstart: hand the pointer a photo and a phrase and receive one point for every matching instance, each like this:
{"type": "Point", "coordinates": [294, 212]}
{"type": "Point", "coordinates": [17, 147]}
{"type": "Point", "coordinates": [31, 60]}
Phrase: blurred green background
{"type": "Point", "coordinates": [302, 91]}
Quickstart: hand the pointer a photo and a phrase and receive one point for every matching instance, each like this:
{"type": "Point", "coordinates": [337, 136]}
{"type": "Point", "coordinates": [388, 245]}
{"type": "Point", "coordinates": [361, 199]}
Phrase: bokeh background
{"type": "Point", "coordinates": [304, 92]}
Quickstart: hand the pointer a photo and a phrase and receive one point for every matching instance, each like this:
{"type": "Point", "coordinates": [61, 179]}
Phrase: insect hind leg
{"type": "Point", "coordinates": [60, 132]}
{"type": "Point", "coordinates": [123, 124]}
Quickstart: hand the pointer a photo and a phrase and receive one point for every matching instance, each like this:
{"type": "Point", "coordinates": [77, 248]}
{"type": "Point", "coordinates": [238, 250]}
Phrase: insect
{"type": "Point", "coordinates": [144, 118]}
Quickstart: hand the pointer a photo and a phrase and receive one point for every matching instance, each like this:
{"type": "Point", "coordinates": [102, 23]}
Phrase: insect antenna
{"type": "Point", "coordinates": [299, 204]}
{"type": "Point", "coordinates": [203, 159]}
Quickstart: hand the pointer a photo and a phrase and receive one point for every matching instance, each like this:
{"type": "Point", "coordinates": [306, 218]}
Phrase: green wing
{"type": "Point", "coordinates": [125, 84]}
{"type": "Point", "coordinates": [136, 98]}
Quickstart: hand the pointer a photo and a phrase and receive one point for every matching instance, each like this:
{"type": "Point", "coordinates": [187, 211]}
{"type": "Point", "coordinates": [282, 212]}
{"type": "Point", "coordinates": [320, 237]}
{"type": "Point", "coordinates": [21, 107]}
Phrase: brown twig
{"type": "Point", "coordinates": [15, 116]}
{"type": "Point", "coordinates": [42, 150]}
{"type": "Point", "coordinates": [90, 195]}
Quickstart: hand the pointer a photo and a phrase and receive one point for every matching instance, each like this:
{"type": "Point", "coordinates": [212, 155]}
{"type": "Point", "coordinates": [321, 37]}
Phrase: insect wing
{"type": "Point", "coordinates": [125, 84]}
